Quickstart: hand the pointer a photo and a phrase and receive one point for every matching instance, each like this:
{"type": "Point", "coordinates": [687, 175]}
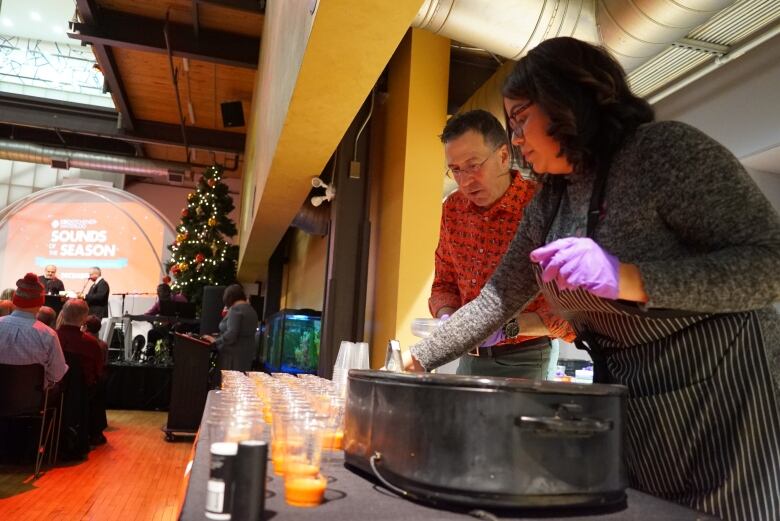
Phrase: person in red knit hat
{"type": "Point", "coordinates": [25, 340]}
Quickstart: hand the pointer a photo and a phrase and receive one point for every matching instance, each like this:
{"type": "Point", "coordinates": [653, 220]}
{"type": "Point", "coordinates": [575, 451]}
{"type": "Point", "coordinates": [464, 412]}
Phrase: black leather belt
{"type": "Point", "coordinates": [498, 351]}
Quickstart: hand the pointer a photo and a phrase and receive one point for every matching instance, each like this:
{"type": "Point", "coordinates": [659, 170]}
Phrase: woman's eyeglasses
{"type": "Point", "coordinates": [515, 122]}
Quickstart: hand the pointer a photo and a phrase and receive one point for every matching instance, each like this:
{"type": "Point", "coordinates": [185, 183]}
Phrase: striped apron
{"type": "Point", "coordinates": [702, 424]}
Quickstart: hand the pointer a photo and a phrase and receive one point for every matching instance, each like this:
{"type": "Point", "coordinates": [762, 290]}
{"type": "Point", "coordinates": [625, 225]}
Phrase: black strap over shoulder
{"type": "Point", "coordinates": [596, 200]}
{"type": "Point", "coordinates": [558, 187]}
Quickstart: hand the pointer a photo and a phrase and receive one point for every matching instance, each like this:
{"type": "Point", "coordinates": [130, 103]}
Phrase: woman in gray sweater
{"type": "Point", "coordinates": [652, 240]}
{"type": "Point", "coordinates": [236, 341]}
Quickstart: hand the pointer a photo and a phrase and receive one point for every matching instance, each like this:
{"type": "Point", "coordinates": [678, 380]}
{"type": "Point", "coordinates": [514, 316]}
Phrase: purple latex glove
{"type": "Point", "coordinates": [495, 338]}
{"type": "Point", "coordinates": [444, 317]}
{"type": "Point", "coordinates": [578, 262]}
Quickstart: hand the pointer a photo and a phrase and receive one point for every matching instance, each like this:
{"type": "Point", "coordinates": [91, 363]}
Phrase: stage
{"type": "Point", "coordinates": [138, 386]}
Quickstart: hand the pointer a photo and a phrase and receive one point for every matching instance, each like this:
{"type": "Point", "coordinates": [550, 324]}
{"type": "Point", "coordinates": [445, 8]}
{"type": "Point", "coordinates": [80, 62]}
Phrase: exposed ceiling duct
{"type": "Point", "coordinates": [61, 158]}
{"type": "Point", "coordinates": [508, 28]}
{"type": "Point", "coordinates": [633, 31]}
{"type": "Point", "coordinates": [636, 31]}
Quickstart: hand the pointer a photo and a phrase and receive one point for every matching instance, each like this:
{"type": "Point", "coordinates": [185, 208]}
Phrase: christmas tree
{"type": "Point", "coordinates": [201, 255]}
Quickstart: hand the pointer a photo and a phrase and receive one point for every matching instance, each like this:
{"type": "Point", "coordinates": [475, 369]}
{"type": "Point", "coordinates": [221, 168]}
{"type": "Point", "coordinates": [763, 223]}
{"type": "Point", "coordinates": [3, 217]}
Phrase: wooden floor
{"type": "Point", "coordinates": [137, 475]}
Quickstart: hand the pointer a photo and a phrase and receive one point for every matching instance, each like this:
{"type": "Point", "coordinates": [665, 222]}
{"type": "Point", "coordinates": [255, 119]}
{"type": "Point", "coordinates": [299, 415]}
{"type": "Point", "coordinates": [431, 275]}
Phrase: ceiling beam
{"type": "Point", "coordinates": [68, 140]}
{"type": "Point", "coordinates": [248, 6]}
{"type": "Point", "coordinates": [105, 60]}
{"type": "Point", "coordinates": [117, 29]}
{"type": "Point", "coordinates": [27, 111]}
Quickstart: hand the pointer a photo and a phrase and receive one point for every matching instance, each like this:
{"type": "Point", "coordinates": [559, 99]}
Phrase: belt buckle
{"type": "Point", "coordinates": [487, 352]}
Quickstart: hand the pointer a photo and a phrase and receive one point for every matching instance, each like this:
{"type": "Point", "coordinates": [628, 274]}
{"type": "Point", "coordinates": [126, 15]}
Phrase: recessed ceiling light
{"type": "Point", "coordinates": [34, 16]}
{"type": "Point", "coordinates": [7, 22]}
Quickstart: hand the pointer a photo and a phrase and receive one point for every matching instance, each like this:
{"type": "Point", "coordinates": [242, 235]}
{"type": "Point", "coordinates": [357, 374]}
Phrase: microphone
{"type": "Point", "coordinates": [84, 286]}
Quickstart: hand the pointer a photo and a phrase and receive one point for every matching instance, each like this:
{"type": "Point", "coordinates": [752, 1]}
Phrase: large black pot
{"type": "Point", "coordinates": [501, 442]}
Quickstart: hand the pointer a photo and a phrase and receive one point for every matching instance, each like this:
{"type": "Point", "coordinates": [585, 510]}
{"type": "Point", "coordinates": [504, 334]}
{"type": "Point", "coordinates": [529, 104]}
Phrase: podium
{"type": "Point", "coordinates": [190, 386]}
{"type": "Point", "coordinates": [55, 302]}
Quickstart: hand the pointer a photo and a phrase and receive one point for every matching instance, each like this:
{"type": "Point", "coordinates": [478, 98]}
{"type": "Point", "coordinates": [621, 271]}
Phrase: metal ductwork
{"type": "Point", "coordinates": [508, 28]}
{"type": "Point", "coordinates": [633, 31]}
{"type": "Point", "coordinates": [636, 31]}
{"type": "Point", "coordinates": [61, 158]}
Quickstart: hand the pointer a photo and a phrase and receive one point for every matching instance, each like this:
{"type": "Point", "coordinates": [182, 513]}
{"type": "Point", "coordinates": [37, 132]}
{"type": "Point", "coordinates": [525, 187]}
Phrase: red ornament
{"type": "Point", "coordinates": [212, 183]}
{"type": "Point", "coordinates": [185, 213]}
{"type": "Point", "coordinates": [200, 258]}
{"type": "Point", "coordinates": [175, 270]}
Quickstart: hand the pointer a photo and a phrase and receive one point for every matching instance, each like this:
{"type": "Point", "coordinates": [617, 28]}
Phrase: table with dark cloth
{"type": "Point", "coordinates": [350, 496]}
{"type": "Point", "coordinates": [138, 386]}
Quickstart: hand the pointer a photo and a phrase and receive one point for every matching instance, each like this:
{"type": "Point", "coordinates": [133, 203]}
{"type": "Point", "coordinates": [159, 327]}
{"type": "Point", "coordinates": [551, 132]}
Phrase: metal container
{"type": "Point", "coordinates": [501, 442]}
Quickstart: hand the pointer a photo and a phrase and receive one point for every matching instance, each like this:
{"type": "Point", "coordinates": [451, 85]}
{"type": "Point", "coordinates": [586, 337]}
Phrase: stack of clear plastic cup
{"type": "Point", "coordinates": [351, 355]}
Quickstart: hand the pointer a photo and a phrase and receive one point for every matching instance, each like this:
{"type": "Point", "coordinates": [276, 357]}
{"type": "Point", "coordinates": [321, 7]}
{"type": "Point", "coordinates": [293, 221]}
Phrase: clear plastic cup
{"type": "Point", "coordinates": [304, 486]}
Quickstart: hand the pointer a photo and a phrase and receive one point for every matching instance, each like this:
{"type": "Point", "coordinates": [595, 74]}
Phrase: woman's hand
{"type": "Point", "coordinates": [578, 262]}
{"type": "Point", "coordinates": [410, 363]}
{"type": "Point", "coordinates": [207, 338]}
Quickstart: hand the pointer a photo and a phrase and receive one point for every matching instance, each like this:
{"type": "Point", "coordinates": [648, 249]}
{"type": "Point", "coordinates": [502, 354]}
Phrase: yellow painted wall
{"type": "Point", "coordinates": [304, 273]}
{"type": "Point", "coordinates": [315, 72]}
{"type": "Point", "coordinates": [408, 164]}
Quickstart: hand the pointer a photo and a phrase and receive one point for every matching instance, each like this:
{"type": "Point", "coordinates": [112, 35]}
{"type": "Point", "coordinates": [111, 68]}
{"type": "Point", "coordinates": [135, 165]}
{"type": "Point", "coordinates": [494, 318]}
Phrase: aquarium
{"type": "Point", "coordinates": [292, 341]}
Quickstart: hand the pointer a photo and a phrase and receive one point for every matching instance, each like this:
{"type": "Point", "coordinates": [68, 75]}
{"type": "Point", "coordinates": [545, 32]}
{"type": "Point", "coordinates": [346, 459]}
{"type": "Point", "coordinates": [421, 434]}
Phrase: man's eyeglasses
{"type": "Point", "coordinates": [515, 123]}
{"type": "Point", "coordinates": [471, 170]}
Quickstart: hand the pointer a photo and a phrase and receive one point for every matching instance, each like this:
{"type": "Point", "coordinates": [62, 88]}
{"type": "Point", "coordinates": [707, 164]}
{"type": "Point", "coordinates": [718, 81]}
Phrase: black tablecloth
{"type": "Point", "coordinates": [350, 496]}
{"type": "Point", "coordinates": [140, 387]}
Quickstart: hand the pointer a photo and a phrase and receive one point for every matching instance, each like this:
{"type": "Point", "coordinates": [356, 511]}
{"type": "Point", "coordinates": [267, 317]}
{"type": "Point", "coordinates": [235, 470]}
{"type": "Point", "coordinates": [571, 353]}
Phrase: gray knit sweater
{"type": "Point", "coordinates": [679, 206]}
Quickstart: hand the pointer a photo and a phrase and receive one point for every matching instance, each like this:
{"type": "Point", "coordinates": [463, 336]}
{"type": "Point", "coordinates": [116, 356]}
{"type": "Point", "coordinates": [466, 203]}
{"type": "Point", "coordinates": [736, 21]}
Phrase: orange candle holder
{"type": "Point", "coordinates": [333, 440]}
{"type": "Point", "coordinates": [304, 491]}
{"type": "Point", "coordinates": [300, 468]}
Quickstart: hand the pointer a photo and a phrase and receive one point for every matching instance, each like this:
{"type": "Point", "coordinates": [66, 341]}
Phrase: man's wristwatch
{"type": "Point", "coordinates": [511, 329]}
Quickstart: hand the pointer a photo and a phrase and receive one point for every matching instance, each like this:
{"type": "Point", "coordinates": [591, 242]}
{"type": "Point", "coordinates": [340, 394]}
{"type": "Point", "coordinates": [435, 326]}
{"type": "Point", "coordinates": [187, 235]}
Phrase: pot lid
{"type": "Point", "coordinates": [486, 383]}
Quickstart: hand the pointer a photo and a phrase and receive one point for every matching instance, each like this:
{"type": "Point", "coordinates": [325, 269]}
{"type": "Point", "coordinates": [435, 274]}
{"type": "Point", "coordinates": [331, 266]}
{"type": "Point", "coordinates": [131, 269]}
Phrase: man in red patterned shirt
{"type": "Point", "coordinates": [478, 222]}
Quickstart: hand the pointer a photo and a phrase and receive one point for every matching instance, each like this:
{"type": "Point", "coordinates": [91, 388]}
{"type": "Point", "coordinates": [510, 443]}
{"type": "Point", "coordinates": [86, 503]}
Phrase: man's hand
{"type": "Point", "coordinates": [495, 338]}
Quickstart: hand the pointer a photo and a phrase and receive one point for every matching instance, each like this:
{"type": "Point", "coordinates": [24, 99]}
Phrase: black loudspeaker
{"type": "Point", "coordinates": [211, 312]}
{"type": "Point", "coordinates": [232, 114]}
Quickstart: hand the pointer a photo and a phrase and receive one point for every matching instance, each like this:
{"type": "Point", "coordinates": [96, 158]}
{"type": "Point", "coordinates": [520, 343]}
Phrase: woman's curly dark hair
{"type": "Point", "coordinates": [584, 92]}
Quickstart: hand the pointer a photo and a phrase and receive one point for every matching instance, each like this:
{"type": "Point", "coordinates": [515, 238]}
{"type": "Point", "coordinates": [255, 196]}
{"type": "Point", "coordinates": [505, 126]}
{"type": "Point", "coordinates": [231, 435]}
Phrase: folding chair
{"type": "Point", "coordinates": [23, 396]}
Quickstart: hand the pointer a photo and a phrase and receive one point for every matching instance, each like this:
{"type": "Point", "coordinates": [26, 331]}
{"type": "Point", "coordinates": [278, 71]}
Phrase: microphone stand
{"type": "Point", "coordinates": [84, 287]}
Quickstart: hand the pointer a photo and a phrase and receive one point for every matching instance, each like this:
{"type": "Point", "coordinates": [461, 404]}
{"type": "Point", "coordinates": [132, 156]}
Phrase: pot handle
{"type": "Point", "coordinates": [564, 423]}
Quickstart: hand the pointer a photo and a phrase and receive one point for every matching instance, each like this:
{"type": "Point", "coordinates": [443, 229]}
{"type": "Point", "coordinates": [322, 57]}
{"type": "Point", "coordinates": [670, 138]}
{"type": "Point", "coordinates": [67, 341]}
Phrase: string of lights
{"type": "Point", "coordinates": [201, 254]}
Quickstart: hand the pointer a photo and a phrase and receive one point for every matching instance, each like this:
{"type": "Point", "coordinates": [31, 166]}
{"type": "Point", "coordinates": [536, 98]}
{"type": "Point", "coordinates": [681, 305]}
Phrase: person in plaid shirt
{"type": "Point", "coordinates": [478, 222]}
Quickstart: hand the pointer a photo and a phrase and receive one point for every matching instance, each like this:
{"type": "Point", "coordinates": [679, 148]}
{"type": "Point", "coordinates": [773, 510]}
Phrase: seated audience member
{"type": "Point", "coordinates": [24, 340]}
{"type": "Point", "coordinates": [87, 350]}
{"type": "Point", "coordinates": [47, 315]}
{"type": "Point", "coordinates": [6, 307]}
{"type": "Point", "coordinates": [7, 294]}
{"type": "Point", "coordinates": [92, 328]}
{"type": "Point", "coordinates": [98, 420]}
{"type": "Point", "coordinates": [165, 294]}
{"type": "Point", "coordinates": [72, 316]}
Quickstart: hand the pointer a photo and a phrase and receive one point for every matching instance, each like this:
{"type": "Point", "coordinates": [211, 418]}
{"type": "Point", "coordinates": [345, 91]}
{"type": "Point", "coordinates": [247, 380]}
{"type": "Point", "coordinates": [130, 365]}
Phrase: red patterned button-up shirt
{"type": "Point", "coordinates": [472, 241]}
